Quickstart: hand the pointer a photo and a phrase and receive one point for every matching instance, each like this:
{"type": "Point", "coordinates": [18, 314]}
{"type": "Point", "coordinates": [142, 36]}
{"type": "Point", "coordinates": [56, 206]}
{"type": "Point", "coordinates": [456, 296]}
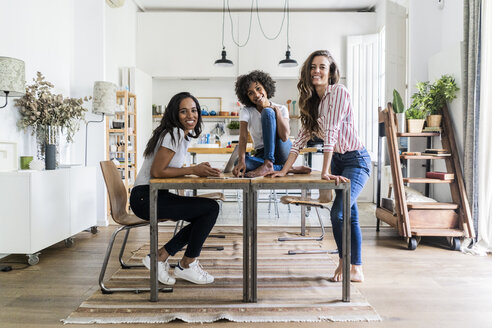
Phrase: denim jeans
{"type": "Point", "coordinates": [356, 166]}
{"type": "Point", "coordinates": [274, 149]}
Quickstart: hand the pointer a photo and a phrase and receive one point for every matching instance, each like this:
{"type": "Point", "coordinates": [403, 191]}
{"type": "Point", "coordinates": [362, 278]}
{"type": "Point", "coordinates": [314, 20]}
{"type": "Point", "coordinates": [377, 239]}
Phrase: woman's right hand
{"type": "Point", "coordinates": [239, 169]}
{"type": "Point", "coordinates": [205, 170]}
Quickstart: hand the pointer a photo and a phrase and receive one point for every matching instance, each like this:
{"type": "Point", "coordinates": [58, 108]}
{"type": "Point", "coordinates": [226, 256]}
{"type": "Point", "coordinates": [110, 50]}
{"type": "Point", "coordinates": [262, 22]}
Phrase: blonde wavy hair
{"type": "Point", "coordinates": [308, 98]}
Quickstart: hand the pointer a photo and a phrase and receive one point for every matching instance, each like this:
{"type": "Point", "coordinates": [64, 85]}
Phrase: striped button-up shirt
{"type": "Point", "coordinates": [336, 123]}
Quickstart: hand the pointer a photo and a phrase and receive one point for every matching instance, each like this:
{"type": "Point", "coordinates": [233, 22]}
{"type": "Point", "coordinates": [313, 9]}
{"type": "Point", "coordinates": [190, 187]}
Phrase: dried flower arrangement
{"type": "Point", "coordinates": [46, 112]}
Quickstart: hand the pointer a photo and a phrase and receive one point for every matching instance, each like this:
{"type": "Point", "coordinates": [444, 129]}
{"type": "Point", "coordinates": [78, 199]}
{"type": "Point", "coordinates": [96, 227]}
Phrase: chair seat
{"type": "Point", "coordinates": [132, 220]}
{"type": "Point", "coordinates": [213, 195]}
{"type": "Point", "coordinates": [298, 200]}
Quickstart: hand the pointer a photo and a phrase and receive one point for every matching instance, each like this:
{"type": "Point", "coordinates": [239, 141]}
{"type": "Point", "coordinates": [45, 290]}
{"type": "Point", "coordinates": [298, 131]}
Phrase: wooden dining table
{"type": "Point", "coordinates": [250, 189]}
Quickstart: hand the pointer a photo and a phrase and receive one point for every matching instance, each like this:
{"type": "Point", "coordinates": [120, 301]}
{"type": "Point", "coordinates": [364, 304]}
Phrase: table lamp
{"type": "Point", "coordinates": [12, 78]}
{"type": "Point", "coordinates": [103, 102]}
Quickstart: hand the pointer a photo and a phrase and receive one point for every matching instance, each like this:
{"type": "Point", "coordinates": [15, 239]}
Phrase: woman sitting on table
{"type": "Point", "coordinates": [164, 158]}
{"type": "Point", "coordinates": [326, 112]}
{"type": "Point", "coordinates": [268, 124]}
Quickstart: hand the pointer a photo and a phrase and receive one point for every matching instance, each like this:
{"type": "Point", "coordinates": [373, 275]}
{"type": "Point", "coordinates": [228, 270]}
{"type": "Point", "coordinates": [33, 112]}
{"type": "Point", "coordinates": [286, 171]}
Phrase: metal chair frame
{"type": "Point", "coordinates": [118, 204]}
{"type": "Point", "coordinates": [317, 204]}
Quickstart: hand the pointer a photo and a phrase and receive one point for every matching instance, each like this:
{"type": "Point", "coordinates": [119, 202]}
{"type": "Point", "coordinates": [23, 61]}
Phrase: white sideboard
{"type": "Point", "coordinates": [41, 208]}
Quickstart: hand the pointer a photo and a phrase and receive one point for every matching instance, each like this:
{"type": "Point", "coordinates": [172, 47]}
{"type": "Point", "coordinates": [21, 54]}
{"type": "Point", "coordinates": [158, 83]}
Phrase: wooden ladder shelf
{"type": "Point", "coordinates": [413, 220]}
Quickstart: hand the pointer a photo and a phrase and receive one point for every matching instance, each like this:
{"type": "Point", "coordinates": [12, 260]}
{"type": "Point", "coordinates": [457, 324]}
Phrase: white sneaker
{"type": "Point", "coordinates": [194, 273]}
{"type": "Point", "coordinates": [162, 271]}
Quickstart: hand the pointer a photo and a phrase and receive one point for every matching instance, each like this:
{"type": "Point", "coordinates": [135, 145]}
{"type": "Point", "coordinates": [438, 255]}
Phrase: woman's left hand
{"type": "Point", "coordinates": [337, 178]}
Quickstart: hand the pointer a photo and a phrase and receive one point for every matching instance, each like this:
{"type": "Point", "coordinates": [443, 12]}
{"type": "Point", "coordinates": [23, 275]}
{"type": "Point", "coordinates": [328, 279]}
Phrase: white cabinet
{"type": "Point", "coordinates": [308, 31]}
{"type": "Point", "coordinates": [186, 44]}
{"type": "Point", "coordinates": [183, 45]}
{"type": "Point", "coordinates": [41, 208]}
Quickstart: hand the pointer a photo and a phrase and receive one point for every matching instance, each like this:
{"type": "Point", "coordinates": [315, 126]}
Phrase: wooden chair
{"type": "Point", "coordinates": [325, 197]}
{"type": "Point", "coordinates": [118, 204]}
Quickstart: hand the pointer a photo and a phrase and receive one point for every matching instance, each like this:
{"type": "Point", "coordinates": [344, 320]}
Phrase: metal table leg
{"type": "Point", "coordinates": [153, 244]}
{"type": "Point", "coordinates": [346, 236]}
{"type": "Point", "coordinates": [246, 246]}
{"type": "Point", "coordinates": [254, 254]}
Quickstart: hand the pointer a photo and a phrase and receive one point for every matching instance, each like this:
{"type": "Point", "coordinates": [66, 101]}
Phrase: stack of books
{"type": "Point", "coordinates": [432, 129]}
{"type": "Point", "coordinates": [436, 152]}
{"type": "Point", "coordinates": [439, 175]}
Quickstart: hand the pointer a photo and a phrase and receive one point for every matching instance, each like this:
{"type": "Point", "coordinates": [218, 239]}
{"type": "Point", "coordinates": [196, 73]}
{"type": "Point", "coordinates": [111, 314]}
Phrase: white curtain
{"type": "Point", "coordinates": [485, 132]}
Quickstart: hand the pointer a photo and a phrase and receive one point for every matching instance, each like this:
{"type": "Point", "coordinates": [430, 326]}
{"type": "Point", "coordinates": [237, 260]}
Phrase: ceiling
{"type": "Point", "coordinates": [240, 5]}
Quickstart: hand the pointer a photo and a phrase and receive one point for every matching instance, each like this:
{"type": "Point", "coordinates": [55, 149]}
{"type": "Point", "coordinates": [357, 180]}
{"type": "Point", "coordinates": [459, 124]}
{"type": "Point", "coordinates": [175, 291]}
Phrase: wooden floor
{"type": "Point", "coordinates": [429, 287]}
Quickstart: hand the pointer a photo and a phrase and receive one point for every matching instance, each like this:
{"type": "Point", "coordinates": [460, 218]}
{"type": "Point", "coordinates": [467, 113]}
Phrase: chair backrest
{"type": "Point", "coordinates": [325, 195]}
{"type": "Point", "coordinates": [116, 191]}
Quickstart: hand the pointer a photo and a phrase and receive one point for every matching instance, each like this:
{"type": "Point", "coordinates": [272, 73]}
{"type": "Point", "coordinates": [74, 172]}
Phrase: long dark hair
{"type": "Point", "coordinates": [308, 97]}
{"type": "Point", "coordinates": [244, 81]}
{"type": "Point", "coordinates": [170, 120]}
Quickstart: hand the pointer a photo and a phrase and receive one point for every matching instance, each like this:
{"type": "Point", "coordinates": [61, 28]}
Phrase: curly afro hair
{"type": "Point", "coordinates": [244, 81]}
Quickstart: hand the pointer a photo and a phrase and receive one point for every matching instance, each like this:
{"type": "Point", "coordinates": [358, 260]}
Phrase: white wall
{"type": "Point", "coordinates": [40, 34]}
{"type": "Point", "coordinates": [70, 43]}
{"type": "Point", "coordinates": [432, 31]}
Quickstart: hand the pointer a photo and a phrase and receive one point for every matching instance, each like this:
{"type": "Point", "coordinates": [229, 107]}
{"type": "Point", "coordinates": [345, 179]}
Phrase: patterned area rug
{"type": "Point", "coordinates": [291, 288]}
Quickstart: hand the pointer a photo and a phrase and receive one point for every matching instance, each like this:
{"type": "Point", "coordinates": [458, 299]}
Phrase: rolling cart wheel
{"type": "Point", "coordinates": [412, 243]}
{"type": "Point", "coordinates": [94, 230]}
{"type": "Point", "coordinates": [455, 244]}
{"type": "Point", "coordinates": [33, 259]}
{"type": "Point", "coordinates": [69, 242]}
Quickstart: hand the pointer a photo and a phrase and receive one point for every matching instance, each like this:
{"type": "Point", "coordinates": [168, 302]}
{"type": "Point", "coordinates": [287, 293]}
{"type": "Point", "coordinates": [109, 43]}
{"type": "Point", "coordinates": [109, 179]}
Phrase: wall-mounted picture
{"type": "Point", "coordinates": [8, 156]}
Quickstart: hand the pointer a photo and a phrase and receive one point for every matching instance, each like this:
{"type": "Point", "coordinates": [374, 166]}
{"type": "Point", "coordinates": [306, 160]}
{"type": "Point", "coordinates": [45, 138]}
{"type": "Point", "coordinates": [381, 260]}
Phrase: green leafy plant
{"type": "Point", "coordinates": [233, 125]}
{"type": "Point", "coordinates": [430, 98]}
{"type": "Point", "coordinates": [415, 114]}
{"type": "Point", "coordinates": [397, 102]}
{"type": "Point", "coordinates": [44, 111]}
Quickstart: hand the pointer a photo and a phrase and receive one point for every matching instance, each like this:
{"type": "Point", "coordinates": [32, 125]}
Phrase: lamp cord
{"type": "Point", "coordinates": [232, 24]}
{"type": "Point", "coordinates": [281, 25]}
{"type": "Point", "coordinates": [288, 23]}
{"type": "Point", "coordinates": [86, 128]}
{"type": "Point", "coordinates": [223, 19]}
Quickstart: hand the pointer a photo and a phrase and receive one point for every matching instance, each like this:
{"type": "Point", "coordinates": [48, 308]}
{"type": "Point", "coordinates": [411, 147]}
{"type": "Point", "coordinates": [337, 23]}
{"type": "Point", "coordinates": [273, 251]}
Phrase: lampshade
{"type": "Point", "coordinates": [104, 98]}
{"type": "Point", "coordinates": [223, 62]}
{"type": "Point", "coordinates": [12, 76]}
{"type": "Point", "coordinates": [287, 62]}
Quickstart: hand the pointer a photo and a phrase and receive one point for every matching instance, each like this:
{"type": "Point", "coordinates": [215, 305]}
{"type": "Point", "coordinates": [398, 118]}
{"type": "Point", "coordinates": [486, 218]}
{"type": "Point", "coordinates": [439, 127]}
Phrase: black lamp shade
{"type": "Point", "coordinates": [287, 62]}
{"type": "Point", "coordinates": [224, 62]}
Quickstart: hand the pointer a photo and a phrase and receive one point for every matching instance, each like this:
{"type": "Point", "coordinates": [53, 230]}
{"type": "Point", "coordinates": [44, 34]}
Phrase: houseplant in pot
{"type": "Point", "coordinates": [431, 98]}
{"type": "Point", "coordinates": [47, 115]}
{"type": "Point", "coordinates": [399, 110]}
{"type": "Point", "coordinates": [233, 128]}
{"type": "Point", "coordinates": [415, 119]}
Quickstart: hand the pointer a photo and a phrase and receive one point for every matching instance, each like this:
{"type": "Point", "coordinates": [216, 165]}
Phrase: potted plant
{"type": "Point", "coordinates": [431, 98]}
{"type": "Point", "coordinates": [399, 110]}
{"type": "Point", "coordinates": [233, 127]}
{"type": "Point", "coordinates": [48, 114]}
{"type": "Point", "coordinates": [415, 119]}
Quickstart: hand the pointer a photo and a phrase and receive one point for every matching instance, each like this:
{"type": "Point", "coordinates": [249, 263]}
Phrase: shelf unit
{"type": "Point", "coordinates": [414, 220]}
{"type": "Point", "coordinates": [122, 141]}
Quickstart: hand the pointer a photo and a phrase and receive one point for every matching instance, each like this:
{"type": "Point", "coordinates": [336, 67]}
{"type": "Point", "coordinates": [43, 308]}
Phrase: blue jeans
{"type": "Point", "coordinates": [274, 149]}
{"type": "Point", "coordinates": [356, 166]}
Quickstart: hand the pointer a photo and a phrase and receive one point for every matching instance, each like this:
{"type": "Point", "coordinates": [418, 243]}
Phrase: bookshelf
{"type": "Point", "coordinates": [121, 137]}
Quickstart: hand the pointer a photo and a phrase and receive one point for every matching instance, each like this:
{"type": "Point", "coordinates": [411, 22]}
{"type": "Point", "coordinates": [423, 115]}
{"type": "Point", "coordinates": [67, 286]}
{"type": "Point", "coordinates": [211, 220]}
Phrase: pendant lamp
{"type": "Point", "coordinates": [223, 61]}
{"type": "Point", "coordinates": [287, 62]}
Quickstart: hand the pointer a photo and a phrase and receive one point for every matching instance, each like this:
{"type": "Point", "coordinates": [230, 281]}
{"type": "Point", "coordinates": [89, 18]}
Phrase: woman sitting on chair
{"type": "Point", "coordinates": [268, 124]}
{"type": "Point", "coordinates": [164, 158]}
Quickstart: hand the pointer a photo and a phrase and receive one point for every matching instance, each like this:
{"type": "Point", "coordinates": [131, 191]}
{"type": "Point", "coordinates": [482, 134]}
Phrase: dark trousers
{"type": "Point", "coordinates": [201, 213]}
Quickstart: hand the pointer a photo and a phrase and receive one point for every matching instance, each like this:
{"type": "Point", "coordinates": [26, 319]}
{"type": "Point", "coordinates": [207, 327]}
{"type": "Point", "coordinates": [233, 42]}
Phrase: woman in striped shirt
{"type": "Point", "coordinates": [326, 112]}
